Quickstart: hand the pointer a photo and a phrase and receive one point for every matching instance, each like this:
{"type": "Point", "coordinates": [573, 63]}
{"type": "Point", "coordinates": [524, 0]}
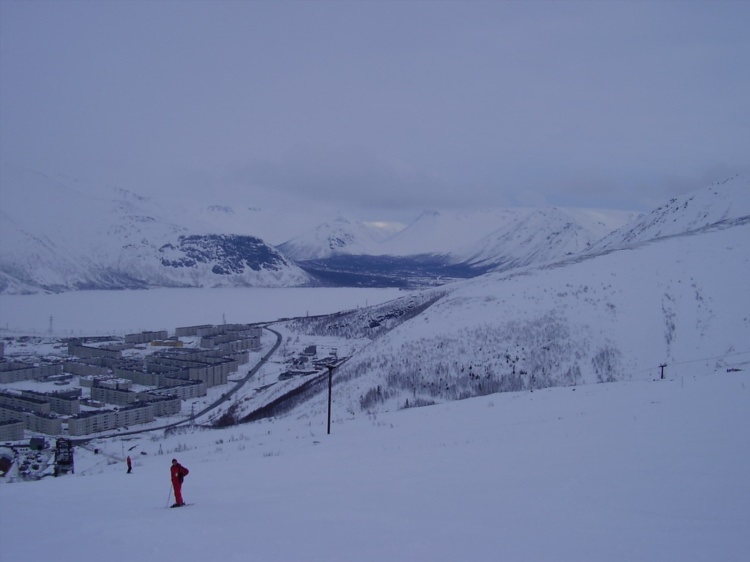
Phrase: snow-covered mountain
{"type": "Point", "coordinates": [538, 236]}
{"type": "Point", "coordinates": [481, 238]}
{"type": "Point", "coordinates": [340, 236]}
{"type": "Point", "coordinates": [57, 235]}
{"type": "Point", "coordinates": [640, 469]}
{"type": "Point", "coordinates": [727, 201]}
{"type": "Point", "coordinates": [440, 246]}
{"type": "Point", "coordinates": [490, 236]}
{"type": "Point", "coordinates": [613, 314]}
{"type": "Point", "coordinates": [441, 232]}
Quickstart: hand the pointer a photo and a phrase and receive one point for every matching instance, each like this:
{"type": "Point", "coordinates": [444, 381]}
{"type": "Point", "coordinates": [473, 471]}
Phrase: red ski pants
{"type": "Point", "coordinates": [177, 485]}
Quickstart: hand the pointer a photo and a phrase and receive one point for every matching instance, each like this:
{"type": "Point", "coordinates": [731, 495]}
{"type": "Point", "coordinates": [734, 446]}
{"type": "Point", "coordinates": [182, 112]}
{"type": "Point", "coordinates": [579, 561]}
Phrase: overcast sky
{"type": "Point", "coordinates": [382, 108]}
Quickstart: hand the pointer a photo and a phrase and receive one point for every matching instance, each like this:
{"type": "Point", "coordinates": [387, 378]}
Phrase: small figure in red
{"type": "Point", "coordinates": [130, 465]}
{"type": "Point", "coordinates": [178, 473]}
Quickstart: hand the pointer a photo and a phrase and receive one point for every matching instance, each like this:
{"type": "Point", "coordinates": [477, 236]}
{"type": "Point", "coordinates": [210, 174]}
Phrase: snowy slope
{"type": "Point", "coordinates": [477, 237]}
{"type": "Point", "coordinates": [646, 471]}
{"type": "Point", "coordinates": [681, 301]}
{"type": "Point", "coordinates": [505, 237]}
{"type": "Point", "coordinates": [440, 232]}
{"type": "Point", "coordinates": [639, 469]}
{"type": "Point", "coordinates": [444, 245]}
{"type": "Point", "coordinates": [728, 200]}
{"type": "Point", "coordinates": [61, 234]}
{"type": "Point", "coordinates": [57, 234]}
{"type": "Point", "coordinates": [340, 236]}
{"type": "Point", "coordinates": [537, 236]}
{"type": "Point", "coordinates": [273, 223]}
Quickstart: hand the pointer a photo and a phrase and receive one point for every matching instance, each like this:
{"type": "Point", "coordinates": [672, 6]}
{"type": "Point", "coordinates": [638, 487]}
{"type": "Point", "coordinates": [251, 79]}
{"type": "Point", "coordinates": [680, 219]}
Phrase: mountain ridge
{"type": "Point", "coordinates": [58, 235]}
{"type": "Point", "coordinates": [64, 238]}
{"type": "Point", "coordinates": [680, 301]}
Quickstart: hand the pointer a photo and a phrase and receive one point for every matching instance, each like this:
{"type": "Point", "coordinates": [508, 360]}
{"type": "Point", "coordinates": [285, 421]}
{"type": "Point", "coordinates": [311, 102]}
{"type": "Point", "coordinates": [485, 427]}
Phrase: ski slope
{"type": "Point", "coordinates": [648, 470]}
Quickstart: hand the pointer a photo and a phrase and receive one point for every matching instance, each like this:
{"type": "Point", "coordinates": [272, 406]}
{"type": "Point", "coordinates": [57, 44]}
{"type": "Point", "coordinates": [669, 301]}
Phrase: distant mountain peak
{"type": "Point", "coordinates": [340, 236]}
{"type": "Point", "coordinates": [84, 236]}
{"type": "Point", "coordinates": [725, 200]}
{"type": "Point", "coordinates": [56, 235]}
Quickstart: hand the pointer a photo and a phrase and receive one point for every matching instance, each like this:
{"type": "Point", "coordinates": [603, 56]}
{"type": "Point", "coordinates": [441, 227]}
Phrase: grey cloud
{"type": "Point", "coordinates": [395, 106]}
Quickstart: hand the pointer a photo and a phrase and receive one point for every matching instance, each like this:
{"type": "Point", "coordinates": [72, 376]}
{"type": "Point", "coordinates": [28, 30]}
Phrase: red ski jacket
{"type": "Point", "coordinates": [178, 472]}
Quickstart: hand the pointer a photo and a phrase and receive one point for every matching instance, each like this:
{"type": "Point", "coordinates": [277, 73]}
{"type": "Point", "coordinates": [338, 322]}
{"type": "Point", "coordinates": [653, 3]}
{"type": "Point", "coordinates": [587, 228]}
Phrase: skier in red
{"type": "Point", "coordinates": [178, 473]}
{"type": "Point", "coordinates": [130, 465]}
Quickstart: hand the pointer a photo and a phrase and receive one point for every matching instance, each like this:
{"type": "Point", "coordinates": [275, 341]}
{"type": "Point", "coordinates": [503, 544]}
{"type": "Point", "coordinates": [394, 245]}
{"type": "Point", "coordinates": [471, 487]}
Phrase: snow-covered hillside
{"type": "Point", "coordinates": [636, 468]}
{"type": "Point", "coordinates": [538, 236]}
{"type": "Point", "coordinates": [721, 204]}
{"type": "Point", "coordinates": [615, 315]}
{"type": "Point", "coordinates": [58, 235]}
{"type": "Point", "coordinates": [647, 470]}
{"type": "Point", "coordinates": [441, 246]}
{"type": "Point", "coordinates": [491, 235]}
{"type": "Point", "coordinates": [340, 236]}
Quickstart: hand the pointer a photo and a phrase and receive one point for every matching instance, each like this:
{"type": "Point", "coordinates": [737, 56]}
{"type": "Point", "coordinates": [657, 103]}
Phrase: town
{"type": "Point", "coordinates": [58, 393]}
{"type": "Point", "coordinates": [121, 382]}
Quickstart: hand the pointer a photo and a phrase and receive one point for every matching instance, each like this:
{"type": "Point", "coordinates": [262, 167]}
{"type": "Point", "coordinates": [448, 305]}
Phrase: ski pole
{"type": "Point", "coordinates": [169, 494]}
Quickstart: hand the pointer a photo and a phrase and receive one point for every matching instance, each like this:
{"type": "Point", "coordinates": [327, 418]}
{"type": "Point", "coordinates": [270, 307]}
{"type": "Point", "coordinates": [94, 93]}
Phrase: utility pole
{"type": "Point", "coordinates": [662, 366]}
{"type": "Point", "coordinates": [330, 388]}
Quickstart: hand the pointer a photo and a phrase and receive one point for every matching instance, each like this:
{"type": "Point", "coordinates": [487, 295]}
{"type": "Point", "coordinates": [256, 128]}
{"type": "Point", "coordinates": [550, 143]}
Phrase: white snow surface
{"type": "Point", "coordinates": [639, 469]}
{"type": "Point", "coordinates": [646, 470]}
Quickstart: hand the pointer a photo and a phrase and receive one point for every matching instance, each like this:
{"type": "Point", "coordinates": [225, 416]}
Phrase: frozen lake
{"type": "Point", "coordinates": [121, 312]}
